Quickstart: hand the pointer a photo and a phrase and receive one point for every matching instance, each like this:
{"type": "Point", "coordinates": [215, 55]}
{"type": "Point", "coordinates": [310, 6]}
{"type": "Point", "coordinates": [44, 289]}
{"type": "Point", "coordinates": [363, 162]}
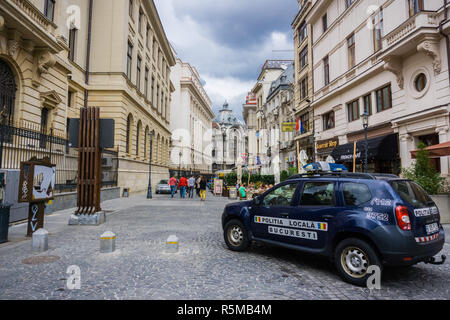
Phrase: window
{"type": "Point", "coordinates": [153, 90]}
{"type": "Point", "coordinates": [130, 9]}
{"type": "Point", "coordinates": [356, 194]}
{"type": "Point", "coordinates": [351, 51]}
{"type": "Point", "coordinates": [49, 9]}
{"type": "Point", "coordinates": [138, 134]}
{"type": "Point", "coordinates": [305, 121]}
{"type": "Point", "coordinates": [44, 128]}
{"type": "Point", "coordinates": [377, 24]}
{"type": "Point", "coordinates": [154, 49]}
{"type": "Point", "coordinates": [368, 104]}
{"type": "Point", "coordinates": [70, 96]}
{"type": "Point", "coordinates": [420, 82]}
{"type": "Point", "coordinates": [348, 3]}
{"type": "Point", "coordinates": [326, 70]}
{"type": "Point", "coordinates": [147, 36]}
{"type": "Point", "coordinates": [146, 83]}
{"type": "Point", "coordinates": [353, 111]}
{"type": "Point", "coordinates": [72, 43]}
{"type": "Point", "coordinates": [141, 17]}
{"type": "Point", "coordinates": [412, 193]}
{"type": "Point", "coordinates": [157, 97]}
{"type": "Point", "coordinates": [138, 73]}
{"type": "Point", "coordinates": [415, 6]}
{"type": "Point", "coordinates": [328, 121]}
{"type": "Point", "coordinates": [129, 59]}
{"type": "Point", "coordinates": [324, 23]}
{"type": "Point", "coordinates": [129, 123]}
{"type": "Point", "coordinates": [318, 194]}
{"type": "Point", "coordinates": [302, 32]}
{"type": "Point", "coordinates": [384, 98]}
{"type": "Point", "coordinates": [304, 88]}
{"type": "Point", "coordinates": [280, 197]}
{"type": "Point", "coordinates": [303, 57]}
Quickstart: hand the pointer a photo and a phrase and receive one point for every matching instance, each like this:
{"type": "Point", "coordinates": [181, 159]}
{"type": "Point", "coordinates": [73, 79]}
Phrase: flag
{"type": "Point", "coordinates": [302, 129]}
{"type": "Point", "coordinates": [297, 127]}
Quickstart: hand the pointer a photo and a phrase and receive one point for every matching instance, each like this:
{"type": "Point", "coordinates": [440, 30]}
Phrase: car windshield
{"type": "Point", "coordinates": [412, 193]}
{"type": "Point", "coordinates": [164, 182]}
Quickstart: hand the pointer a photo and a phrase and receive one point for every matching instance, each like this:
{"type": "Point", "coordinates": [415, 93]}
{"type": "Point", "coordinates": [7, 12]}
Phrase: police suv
{"type": "Point", "coordinates": [358, 220]}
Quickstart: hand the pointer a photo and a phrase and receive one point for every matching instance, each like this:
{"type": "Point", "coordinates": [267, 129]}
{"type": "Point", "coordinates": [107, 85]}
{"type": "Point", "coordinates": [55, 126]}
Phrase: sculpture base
{"type": "Point", "coordinates": [95, 219]}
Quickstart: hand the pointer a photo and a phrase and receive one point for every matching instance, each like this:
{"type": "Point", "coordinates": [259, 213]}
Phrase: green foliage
{"type": "Point", "coordinates": [231, 178]}
{"type": "Point", "coordinates": [424, 173]}
{"type": "Point", "coordinates": [286, 174]}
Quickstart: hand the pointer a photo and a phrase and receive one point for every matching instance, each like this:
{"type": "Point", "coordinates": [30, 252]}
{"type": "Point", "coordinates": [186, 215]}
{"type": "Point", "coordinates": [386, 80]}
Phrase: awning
{"type": "Point", "coordinates": [436, 151]}
{"type": "Point", "coordinates": [380, 148]}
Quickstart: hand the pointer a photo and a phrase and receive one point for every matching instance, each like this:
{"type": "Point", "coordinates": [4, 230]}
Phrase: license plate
{"type": "Point", "coordinates": [432, 228]}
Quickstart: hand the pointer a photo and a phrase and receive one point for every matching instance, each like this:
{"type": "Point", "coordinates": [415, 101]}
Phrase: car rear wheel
{"type": "Point", "coordinates": [353, 257]}
{"type": "Point", "coordinates": [236, 236]}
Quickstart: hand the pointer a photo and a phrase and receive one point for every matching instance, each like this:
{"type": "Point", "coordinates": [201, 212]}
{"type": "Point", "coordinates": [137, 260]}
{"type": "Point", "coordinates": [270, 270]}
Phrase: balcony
{"type": "Point", "coordinates": [24, 17]}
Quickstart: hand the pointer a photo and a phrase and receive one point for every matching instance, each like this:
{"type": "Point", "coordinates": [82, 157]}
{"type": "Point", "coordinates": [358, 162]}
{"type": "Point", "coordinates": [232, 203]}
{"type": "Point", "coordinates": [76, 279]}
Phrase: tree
{"type": "Point", "coordinates": [424, 173]}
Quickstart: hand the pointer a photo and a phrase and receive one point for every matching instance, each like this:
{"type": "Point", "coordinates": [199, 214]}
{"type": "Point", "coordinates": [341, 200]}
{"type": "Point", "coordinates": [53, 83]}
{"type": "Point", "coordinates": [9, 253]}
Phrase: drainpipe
{"type": "Point", "coordinates": [88, 54]}
{"type": "Point", "coordinates": [447, 40]}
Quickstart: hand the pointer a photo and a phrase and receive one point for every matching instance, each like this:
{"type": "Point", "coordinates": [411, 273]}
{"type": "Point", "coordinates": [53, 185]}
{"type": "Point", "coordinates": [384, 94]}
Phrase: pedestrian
{"type": "Point", "coordinates": [203, 188]}
{"type": "Point", "coordinates": [242, 193]}
{"type": "Point", "coordinates": [191, 186]}
{"type": "Point", "coordinates": [182, 185]}
{"type": "Point", "coordinates": [173, 185]}
{"type": "Point", "coordinates": [197, 185]}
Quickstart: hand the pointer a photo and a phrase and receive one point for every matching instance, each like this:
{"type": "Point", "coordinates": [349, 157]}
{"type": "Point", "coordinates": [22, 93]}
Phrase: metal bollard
{"type": "Point", "coordinates": [107, 242]}
{"type": "Point", "coordinates": [40, 240]}
{"type": "Point", "coordinates": [172, 244]}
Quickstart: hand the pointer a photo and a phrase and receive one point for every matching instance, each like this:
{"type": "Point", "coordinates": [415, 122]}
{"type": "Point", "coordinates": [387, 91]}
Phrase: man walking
{"type": "Point", "coordinates": [173, 185]}
{"type": "Point", "coordinates": [197, 185]}
{"type": "Point", "coordinates": [182, 185]}
{"type": "Point", "coordinates": [191, 186]}
{"type": "Point", "coordinates": [203, 188]}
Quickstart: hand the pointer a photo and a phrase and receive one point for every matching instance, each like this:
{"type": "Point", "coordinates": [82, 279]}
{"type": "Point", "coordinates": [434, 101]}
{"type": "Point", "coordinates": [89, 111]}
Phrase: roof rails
{"type": "Point", "coordinates": [351, 175]}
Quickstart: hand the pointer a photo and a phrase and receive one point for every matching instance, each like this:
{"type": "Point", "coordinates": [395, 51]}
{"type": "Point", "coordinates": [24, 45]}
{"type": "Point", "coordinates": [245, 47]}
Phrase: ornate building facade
{"type": "Point", "coordinates": [58, 56]}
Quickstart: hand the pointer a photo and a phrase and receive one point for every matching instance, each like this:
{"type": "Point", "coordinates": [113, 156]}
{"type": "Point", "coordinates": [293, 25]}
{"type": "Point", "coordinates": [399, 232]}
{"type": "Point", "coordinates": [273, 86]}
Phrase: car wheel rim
{"type": "Point", "coordinates": [355, 262]}
{"type": "Point", "coordinates": [235, 236]}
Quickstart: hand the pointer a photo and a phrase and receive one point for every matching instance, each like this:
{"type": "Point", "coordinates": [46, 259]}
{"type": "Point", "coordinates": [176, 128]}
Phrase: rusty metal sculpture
{"type": "Point", "coordinates": [89, 162]}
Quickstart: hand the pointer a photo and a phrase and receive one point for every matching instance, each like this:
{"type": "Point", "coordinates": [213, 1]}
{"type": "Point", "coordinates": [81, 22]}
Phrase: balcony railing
{"type": "Point", "coordinates": [35, 14]}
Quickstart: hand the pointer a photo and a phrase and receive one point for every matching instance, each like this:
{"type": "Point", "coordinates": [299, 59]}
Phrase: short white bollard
{"type": "Point", "coordinates": [40, 240]}
{"type": "Point", "coordinates": [172, 244]}
{"type": "Point", "coordinates": [107, 242]}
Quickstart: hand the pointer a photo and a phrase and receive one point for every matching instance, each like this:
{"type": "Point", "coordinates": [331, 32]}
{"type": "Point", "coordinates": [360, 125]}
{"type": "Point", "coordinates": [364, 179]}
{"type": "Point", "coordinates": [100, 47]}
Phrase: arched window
{"type": "Point", "coordinates": [7, 91]}
{"type": "Point", "coordinates": [138, 134]}
{"type": "Point", "coordinates": [129, 124]}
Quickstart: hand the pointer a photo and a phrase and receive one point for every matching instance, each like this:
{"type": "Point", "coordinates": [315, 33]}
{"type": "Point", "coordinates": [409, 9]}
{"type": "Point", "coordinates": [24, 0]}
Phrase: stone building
{"type": "Point", "coordinates": [389, 59]}
{"type": "Point", "coordinates": [249, 116]}
{"type": "Point", "coordinates": [191, 122]}
{"type": "Point", "coordinates": [280, 119]}
{"type": "Point", "coordinates": [58, 56]}
{"type": "Point", "coordinates": [303, 82]}
{"type": "Point", "coordinates": [270, 71]}
{"type": "Point", "coordinates": [228, 136]}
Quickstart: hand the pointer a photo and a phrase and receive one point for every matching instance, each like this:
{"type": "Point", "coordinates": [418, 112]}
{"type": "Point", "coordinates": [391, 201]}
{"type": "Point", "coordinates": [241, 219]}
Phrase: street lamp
{"type": "Point", "coordinates": [365, 120]}
{"type": "Point", "coordinates": [224, 134]}
{"type": "Point", "coordinates": [149, 188]}
{"type": "Point", "coordinates": [179, 167]}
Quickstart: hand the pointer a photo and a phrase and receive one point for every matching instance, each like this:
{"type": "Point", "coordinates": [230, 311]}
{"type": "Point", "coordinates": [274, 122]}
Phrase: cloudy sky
{"type": "Point", "coordinates": [228, 41]}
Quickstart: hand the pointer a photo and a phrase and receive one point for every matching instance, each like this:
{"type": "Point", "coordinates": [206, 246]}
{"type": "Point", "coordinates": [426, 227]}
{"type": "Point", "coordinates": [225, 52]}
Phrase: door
{"type": "Point", "coordinates": [314, 214]}
{"type": "Point", "coordinates": [268, 218]}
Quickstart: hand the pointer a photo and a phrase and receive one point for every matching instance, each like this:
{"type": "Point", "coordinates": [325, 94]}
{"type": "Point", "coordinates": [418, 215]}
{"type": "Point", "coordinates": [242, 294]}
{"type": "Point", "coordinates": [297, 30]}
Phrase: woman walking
{"type": "Point", "coordinates": [203, 188]}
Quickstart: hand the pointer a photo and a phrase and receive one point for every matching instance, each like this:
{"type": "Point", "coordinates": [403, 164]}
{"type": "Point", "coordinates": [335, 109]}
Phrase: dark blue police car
{"type": "Point", "coordinates": [358, 220]}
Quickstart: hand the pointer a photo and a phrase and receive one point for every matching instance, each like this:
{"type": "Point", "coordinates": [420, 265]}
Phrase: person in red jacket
{"type": "Point", "coordinates": [173, 185]}
{"type": "Point", "coordinates": [182, 185]}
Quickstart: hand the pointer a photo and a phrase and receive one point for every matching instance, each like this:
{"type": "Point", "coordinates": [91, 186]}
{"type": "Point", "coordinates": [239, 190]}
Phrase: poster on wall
{"type": "Point", "coordinates": [218, 186]}
{"type": "Point", "coordinates": [37, 181]}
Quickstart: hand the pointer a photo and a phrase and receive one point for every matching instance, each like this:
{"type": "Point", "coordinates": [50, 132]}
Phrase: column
{"type": "Point", "coordinates": [406, 146]}
{"type": "Point", "coordinates": [443, 137]}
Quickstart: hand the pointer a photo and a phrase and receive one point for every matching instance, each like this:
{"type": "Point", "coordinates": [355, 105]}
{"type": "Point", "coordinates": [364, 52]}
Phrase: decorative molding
{"type": "Point", "coordinates": [43, 60]}
{"type": "Point", "coordinates": [431, 49]}
{"type": "Point", "coordinates": [442, 130]}
{"type": "Point", "coordinates": [50, 99]}
{"type": "Point", "coordinates": [395, 66]}
{"type": "Point", "coordinates": [405, 137]}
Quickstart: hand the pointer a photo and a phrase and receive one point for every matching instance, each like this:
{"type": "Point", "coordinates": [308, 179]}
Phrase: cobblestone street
{"type": "Point", "coordinates": [203, 269]}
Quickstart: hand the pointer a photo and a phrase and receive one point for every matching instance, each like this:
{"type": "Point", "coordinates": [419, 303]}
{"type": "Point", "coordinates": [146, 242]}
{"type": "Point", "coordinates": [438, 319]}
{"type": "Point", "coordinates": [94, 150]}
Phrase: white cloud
{"type": "Point", "coordinates": [230, 72]}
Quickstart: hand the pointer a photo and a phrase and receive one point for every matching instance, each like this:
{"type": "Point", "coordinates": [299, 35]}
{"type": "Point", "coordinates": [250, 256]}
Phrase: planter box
{"type": "Point", "coordinates": [443, 203]}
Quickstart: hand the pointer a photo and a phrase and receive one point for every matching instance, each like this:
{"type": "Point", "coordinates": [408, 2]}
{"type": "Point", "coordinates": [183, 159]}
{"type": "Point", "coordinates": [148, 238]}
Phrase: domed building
{"type": "Point", "coordinates": [229, 140]}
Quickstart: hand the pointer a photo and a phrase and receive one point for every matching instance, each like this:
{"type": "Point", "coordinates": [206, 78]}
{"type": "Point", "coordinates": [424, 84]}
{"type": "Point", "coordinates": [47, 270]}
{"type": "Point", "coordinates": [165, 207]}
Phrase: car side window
{"type": "Point", "coordinates": [280, 197]}
{"type": "Point", "coordinates": [356, 194]}
{"type": "Point", "coordinates": [318, 194]}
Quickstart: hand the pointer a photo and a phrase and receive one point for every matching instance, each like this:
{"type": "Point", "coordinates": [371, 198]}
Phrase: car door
{"type": "Point", "coordinates": [314, 213]}
{"type": "Point", "coordinates": [269, 216]}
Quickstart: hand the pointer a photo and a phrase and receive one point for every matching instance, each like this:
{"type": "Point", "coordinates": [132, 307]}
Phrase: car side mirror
{"type": "Point", "coordinates": [257, 201]}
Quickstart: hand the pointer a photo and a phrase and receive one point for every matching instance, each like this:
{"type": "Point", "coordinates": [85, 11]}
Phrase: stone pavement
{"type": "Point", "coordinates": [203, 269]}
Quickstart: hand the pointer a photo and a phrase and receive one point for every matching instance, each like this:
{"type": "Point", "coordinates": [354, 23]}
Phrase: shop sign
{"type": "Point", "coordinates": [327, 145]}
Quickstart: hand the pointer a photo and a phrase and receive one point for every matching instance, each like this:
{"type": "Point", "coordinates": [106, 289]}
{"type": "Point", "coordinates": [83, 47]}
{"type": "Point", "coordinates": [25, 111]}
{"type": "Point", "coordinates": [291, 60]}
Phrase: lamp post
{"type": "Point", "coordinates": [224, 134]}
{"type": "Point", "coordinates": [149, 188]}
{"type": "Point", "coordinates": [179, 167]}
{"type": "Point", "coordinates": [365, 120]}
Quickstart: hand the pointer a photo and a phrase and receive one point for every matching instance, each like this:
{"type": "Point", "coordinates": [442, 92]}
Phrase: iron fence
{"type": "Point", "coordinates": [19, 143]}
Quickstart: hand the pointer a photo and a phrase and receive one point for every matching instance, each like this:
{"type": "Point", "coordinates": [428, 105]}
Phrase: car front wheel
{"type": "Point", "coordinates": [236, 236]}
{"type": "Point", "coordinates": [353, 257]}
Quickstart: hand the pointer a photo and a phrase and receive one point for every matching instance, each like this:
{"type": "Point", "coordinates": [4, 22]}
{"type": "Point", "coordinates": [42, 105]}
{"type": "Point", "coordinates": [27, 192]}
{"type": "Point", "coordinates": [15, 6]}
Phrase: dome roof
{"type": "Point", "coordinates": [227, 117]}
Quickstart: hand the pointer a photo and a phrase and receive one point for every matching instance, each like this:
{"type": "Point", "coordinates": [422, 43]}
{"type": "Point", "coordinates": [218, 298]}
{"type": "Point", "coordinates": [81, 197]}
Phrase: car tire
{"type": "Point", "coordinates": [352, 258]}
{"type": "Point", "coordinates": [236, 236]}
